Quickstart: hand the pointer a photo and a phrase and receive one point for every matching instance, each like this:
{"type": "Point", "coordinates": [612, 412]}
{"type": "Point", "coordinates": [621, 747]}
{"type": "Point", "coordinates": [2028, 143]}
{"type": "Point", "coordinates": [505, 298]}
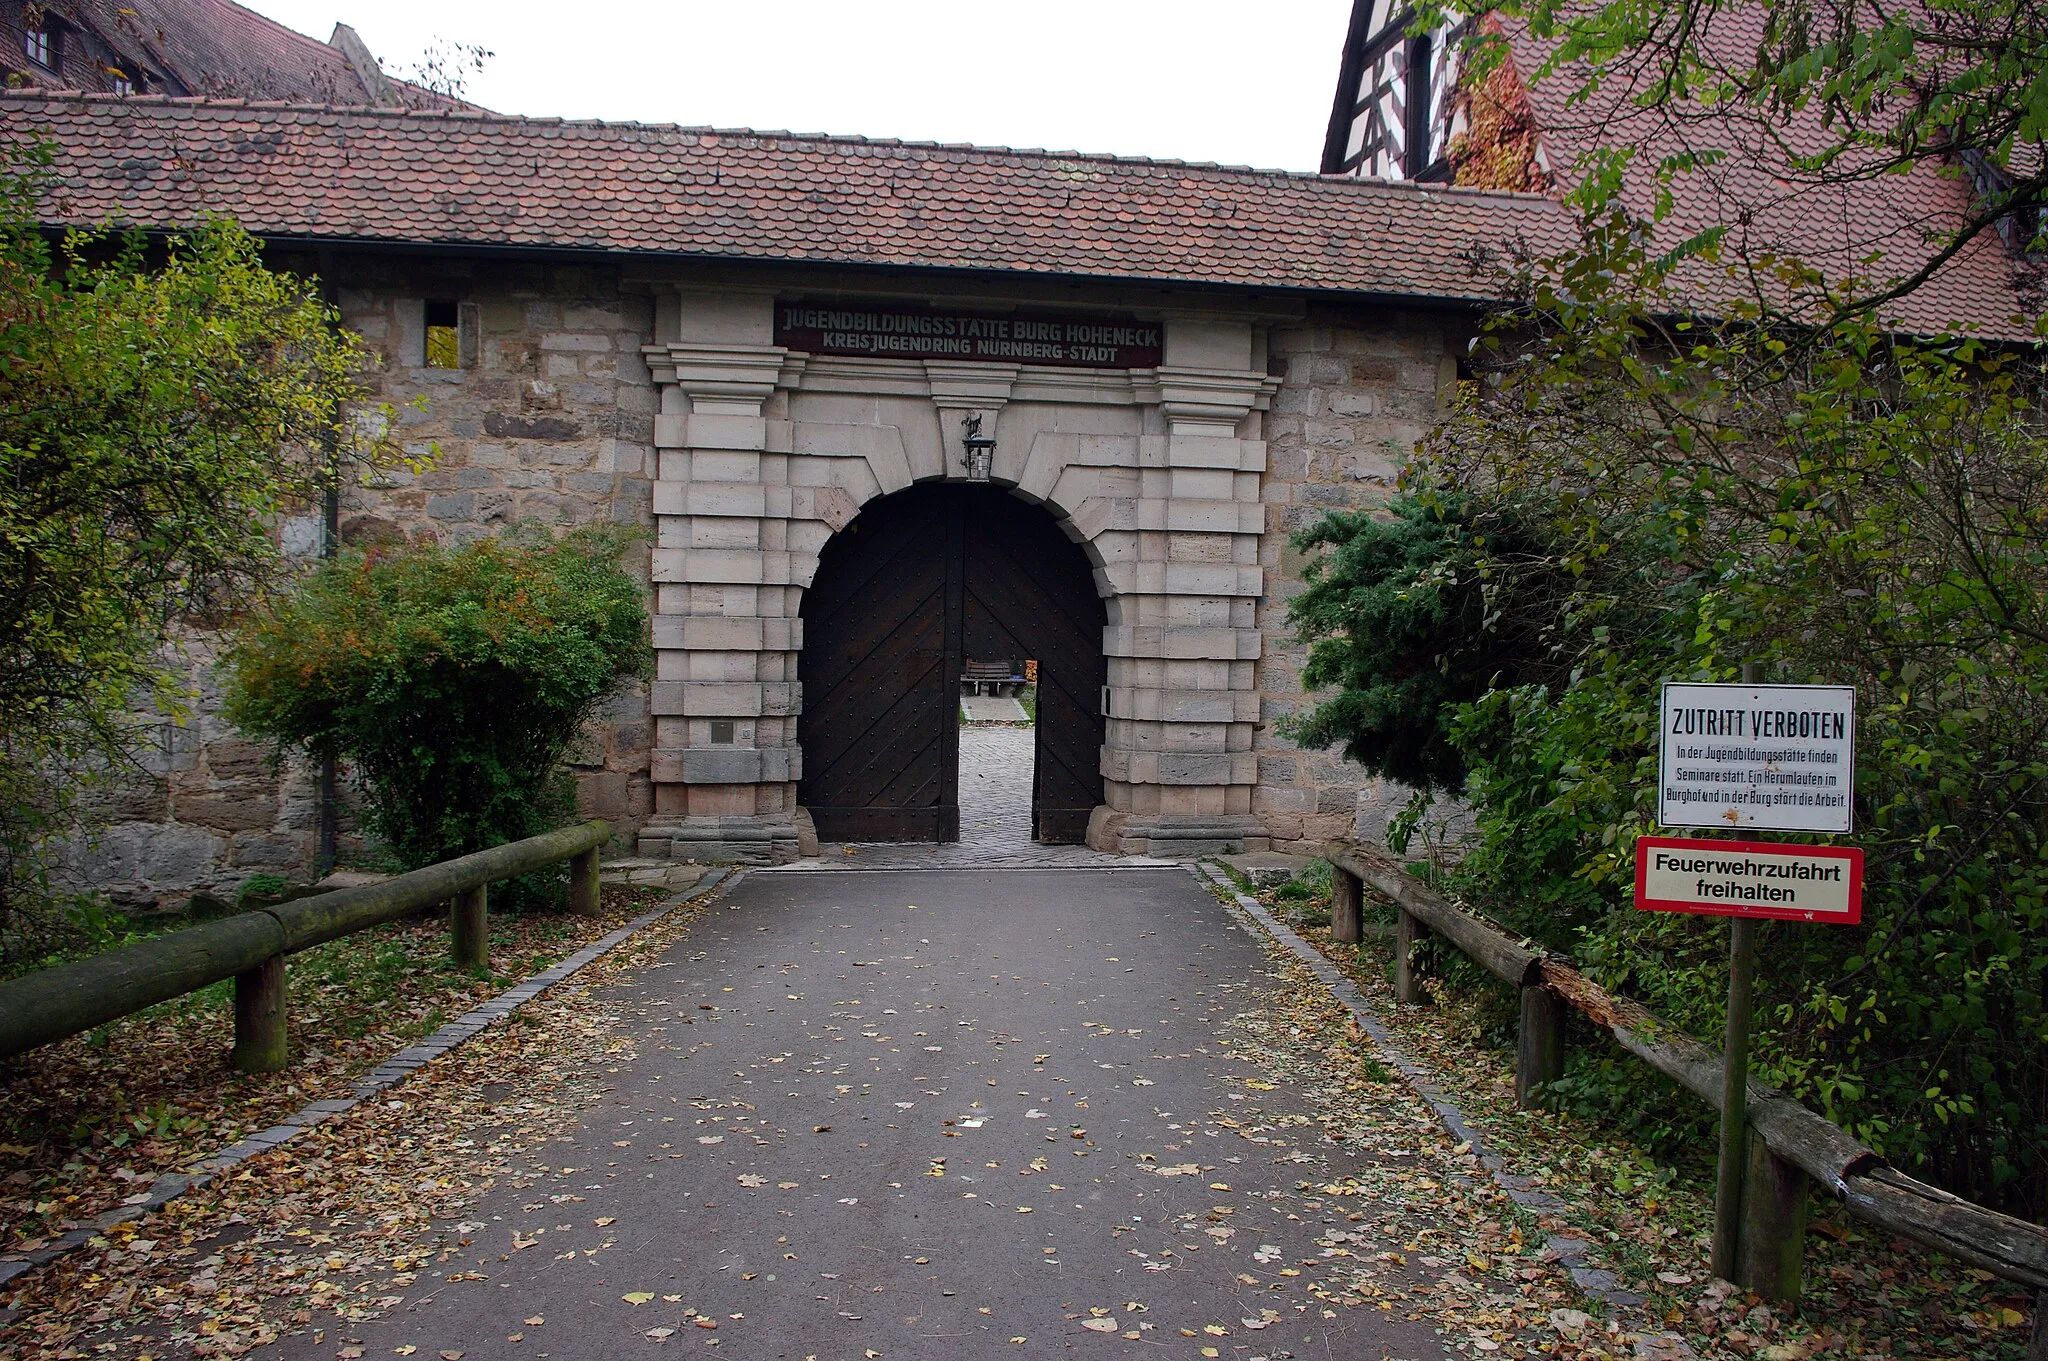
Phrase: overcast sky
{"type": "Point", "coordinates": [1241, 83]}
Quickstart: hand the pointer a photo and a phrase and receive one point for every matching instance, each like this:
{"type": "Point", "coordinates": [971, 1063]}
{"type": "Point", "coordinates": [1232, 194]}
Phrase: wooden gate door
{"type": "Point", "coordinates": [1030, 593]}
{"type": "Point", "coordinates": [880, 681]}
{"type": "Point", "coordinates": [918, 582]}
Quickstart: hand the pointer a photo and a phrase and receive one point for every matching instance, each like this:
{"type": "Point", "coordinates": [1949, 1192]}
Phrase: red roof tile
{"type": "Point", "coordinates": [1852, 220]}
{"type": "Point", "coordinates": [486, 180]}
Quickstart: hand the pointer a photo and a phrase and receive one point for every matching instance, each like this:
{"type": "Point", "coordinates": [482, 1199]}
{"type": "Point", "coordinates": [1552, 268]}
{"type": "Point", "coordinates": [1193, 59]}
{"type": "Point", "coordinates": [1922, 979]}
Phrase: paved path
{"type": "Point", "coordinates": [995, 818]}
{"type": "Point", "coordinates": [937, 1115]}
{"type": "Point", "coordinates": [993, 709]}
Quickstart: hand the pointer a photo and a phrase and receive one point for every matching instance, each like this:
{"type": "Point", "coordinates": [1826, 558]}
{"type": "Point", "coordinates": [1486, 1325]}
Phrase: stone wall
{"type": "Point", "coordinates": [549, 417]}
{"type": "Point", "coordinates": [200, 811]}
{"type": "Point", "coordinates": [1358, 390]}
{"type": "Point", "coordinates": [1184, 485]}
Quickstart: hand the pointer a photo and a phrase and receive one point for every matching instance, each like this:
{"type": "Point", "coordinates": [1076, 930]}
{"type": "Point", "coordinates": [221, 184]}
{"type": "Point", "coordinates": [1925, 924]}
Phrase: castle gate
{"type": "Point", "coordinates": [919, 582]}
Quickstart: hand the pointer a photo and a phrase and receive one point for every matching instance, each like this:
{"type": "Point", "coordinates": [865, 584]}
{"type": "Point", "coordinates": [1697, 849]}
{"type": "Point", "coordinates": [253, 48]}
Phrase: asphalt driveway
{"type": "Point", "coordinates": [921, 1114]}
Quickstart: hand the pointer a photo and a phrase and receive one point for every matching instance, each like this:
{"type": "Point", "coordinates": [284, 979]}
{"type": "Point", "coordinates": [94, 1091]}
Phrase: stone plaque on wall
{"type": "Point", "coordinates": [889, 331]}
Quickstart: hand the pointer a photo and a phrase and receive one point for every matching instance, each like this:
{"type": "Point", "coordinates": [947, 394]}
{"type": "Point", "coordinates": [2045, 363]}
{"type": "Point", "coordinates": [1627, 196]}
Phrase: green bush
{"type": "Point", "coordinates": [452, 681]}
{"type": "Point", "coordinates": [1617, 503]}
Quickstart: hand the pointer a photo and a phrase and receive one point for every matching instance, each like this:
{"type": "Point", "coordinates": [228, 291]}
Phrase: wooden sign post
{"type": "Point", "coordinates": [1763, 757]}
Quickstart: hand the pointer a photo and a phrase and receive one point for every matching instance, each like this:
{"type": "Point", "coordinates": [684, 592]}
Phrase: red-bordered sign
{"type": "Point", "coordinates": [1749, 879]}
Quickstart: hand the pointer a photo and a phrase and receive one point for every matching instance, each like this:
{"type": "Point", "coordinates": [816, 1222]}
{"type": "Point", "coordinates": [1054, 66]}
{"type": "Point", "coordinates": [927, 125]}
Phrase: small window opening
{"type": "Point", "coordinates": [40, 46]}
{"type": "Point", "coordinates": [1417, 147]}
{"type": "Point", "coordinates": [444, 347]}
{"type": "Point", "coordinates": [721, 732]}
{"type": "Point", "coordinates": [122, 85]}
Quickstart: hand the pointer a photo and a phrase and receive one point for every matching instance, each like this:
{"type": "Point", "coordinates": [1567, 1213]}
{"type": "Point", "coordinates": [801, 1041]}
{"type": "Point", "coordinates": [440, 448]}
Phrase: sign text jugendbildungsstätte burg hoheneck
{"type": "Point", "coordinates": [878, 331]}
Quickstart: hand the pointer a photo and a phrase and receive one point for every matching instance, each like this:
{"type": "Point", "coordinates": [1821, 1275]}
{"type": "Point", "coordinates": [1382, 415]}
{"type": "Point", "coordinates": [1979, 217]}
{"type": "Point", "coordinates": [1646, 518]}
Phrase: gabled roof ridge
{"type": "Point", "coordinates": [1334, 182]}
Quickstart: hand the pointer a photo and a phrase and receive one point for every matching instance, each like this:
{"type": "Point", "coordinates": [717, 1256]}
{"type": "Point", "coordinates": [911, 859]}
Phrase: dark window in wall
{"type": "Point", "coordinates": [39, 42]}
{"type": "Point", "coordinates": [1415, 146]}
{"type": "Point", "coordinates": [444, 343]}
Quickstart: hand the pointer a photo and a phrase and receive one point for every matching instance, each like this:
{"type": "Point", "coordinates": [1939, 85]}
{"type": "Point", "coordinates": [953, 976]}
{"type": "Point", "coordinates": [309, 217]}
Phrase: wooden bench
{"type": "Point", "coordinates": [991, 678]}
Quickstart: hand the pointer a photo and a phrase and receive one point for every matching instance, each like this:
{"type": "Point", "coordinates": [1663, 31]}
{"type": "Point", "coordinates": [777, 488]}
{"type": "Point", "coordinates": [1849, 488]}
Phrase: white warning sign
{"type": "Point", "coordinates": [1749, 879]}
{"type": "Point", "coordinates": [1757, 757]}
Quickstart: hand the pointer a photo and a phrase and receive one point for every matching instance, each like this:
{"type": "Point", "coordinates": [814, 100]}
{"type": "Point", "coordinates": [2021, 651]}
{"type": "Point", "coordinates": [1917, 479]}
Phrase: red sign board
{"type": "Point", "coordinates": [889, 331]}
{"type": "Point", "coordinates": [1749, 879]}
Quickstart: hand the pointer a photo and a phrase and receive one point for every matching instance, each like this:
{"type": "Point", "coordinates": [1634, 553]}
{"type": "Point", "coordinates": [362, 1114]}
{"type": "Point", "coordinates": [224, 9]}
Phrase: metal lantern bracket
{"type": "Point", "coordinates": [976, 451]}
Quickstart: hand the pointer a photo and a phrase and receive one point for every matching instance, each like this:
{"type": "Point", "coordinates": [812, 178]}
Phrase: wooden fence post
{"type": "Point", "coordinates": [260, 1045]}
{"type": "Point", "coordinates": [469, 937]}
{"type": "Point", "coordinates": [1773, 1238]}
{"type": "Point", "coordinates": [583, 883]}
{"type": "Point", "coordinates": [1539, 1046]}
{"type": "Point", "coordinates": [1407, 930]}
{"type": "Point", "coordinates": [1347, 907]}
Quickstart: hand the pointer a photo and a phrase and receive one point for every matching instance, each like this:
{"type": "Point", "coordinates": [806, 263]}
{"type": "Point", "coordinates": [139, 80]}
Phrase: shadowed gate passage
{"type": "Point", "coordinates": [915, 584]}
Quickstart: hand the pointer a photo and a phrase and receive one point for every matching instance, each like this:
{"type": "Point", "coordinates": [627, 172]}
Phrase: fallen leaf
{"type": "Point", "coordinates": [661, 1334]}
{"type": "Point", "coordinates": [638, 1297]}
{"type": "Point", "coordinates": [608, 1219]}
{"type": "Point", "coordinates": [535, 1321]}
{"type": "Point", "coordinates": [753, 1179]}
{"type": "Point", "coordinates": [1100, 1325]}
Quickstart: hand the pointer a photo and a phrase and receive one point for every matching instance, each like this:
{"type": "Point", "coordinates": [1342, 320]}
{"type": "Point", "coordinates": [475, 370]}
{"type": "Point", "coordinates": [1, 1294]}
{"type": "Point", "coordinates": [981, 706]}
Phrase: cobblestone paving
{"type": "Point", "coordinates": [993, 709]}
{"type": "Point", "coordinates": [995, 818]}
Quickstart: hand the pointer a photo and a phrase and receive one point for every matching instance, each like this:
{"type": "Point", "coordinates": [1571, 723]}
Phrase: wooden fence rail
{"type": "Point", "coordinates": [1788, 1143]}
{"type": "Point", "coordinates": [251, 947]}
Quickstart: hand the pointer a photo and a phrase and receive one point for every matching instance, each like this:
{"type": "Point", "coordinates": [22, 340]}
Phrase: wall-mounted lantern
{"type": "Point", "coordinates": [976, 452]}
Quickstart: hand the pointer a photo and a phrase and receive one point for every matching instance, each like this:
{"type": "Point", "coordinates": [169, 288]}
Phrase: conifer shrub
{"type": "Point", "coordinates": [451, 681]}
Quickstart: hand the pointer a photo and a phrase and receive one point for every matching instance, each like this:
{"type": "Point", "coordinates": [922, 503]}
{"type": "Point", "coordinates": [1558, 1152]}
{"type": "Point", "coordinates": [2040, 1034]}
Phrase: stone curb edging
{"type": "Point", "coordinates": [171, 1185]}
{"type": "Point", "coordinates": [1573, 1251]}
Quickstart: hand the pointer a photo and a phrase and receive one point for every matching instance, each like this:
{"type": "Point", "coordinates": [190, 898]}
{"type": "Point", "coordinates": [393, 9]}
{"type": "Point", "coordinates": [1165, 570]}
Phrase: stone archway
{"type": "Point", "coordinates": [764, 453]}
{"type": "Point", "coordinates": [918, 582]}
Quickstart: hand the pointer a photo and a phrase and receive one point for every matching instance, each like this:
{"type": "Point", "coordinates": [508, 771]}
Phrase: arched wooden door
{"type": "Point", "coordinates": [915, 584]}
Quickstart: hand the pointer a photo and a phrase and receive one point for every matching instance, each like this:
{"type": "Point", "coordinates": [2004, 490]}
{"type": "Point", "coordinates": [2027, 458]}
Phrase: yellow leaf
{"type": "Point", "coordinates": [638, 1297]}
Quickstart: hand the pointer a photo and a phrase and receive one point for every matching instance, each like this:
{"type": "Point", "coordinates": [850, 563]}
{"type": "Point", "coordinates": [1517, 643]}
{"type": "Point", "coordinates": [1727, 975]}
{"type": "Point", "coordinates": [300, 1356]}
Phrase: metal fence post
{"type": "Point", "coordinates": [260, 1038]}
{"type": "Point", "coordinates": [1347, 907]}
{"type": "Point", "coordinates": [469, 937]}
{"type": "Point", "coordinates": [1539, 1045]}
{"type": "Point", "coordinates": [1407, 930]}
{"type": "Point", "coordinates": [583, 883]}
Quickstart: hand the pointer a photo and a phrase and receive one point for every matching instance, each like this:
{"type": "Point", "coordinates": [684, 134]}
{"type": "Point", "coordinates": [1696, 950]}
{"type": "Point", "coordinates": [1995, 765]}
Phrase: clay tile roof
{"type": "Point", "coordinates": [474, 179]}
{"type": "Point", "coordinates": [221, 49]}
{"type": "Point", "coordinates": [1880, 227]}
